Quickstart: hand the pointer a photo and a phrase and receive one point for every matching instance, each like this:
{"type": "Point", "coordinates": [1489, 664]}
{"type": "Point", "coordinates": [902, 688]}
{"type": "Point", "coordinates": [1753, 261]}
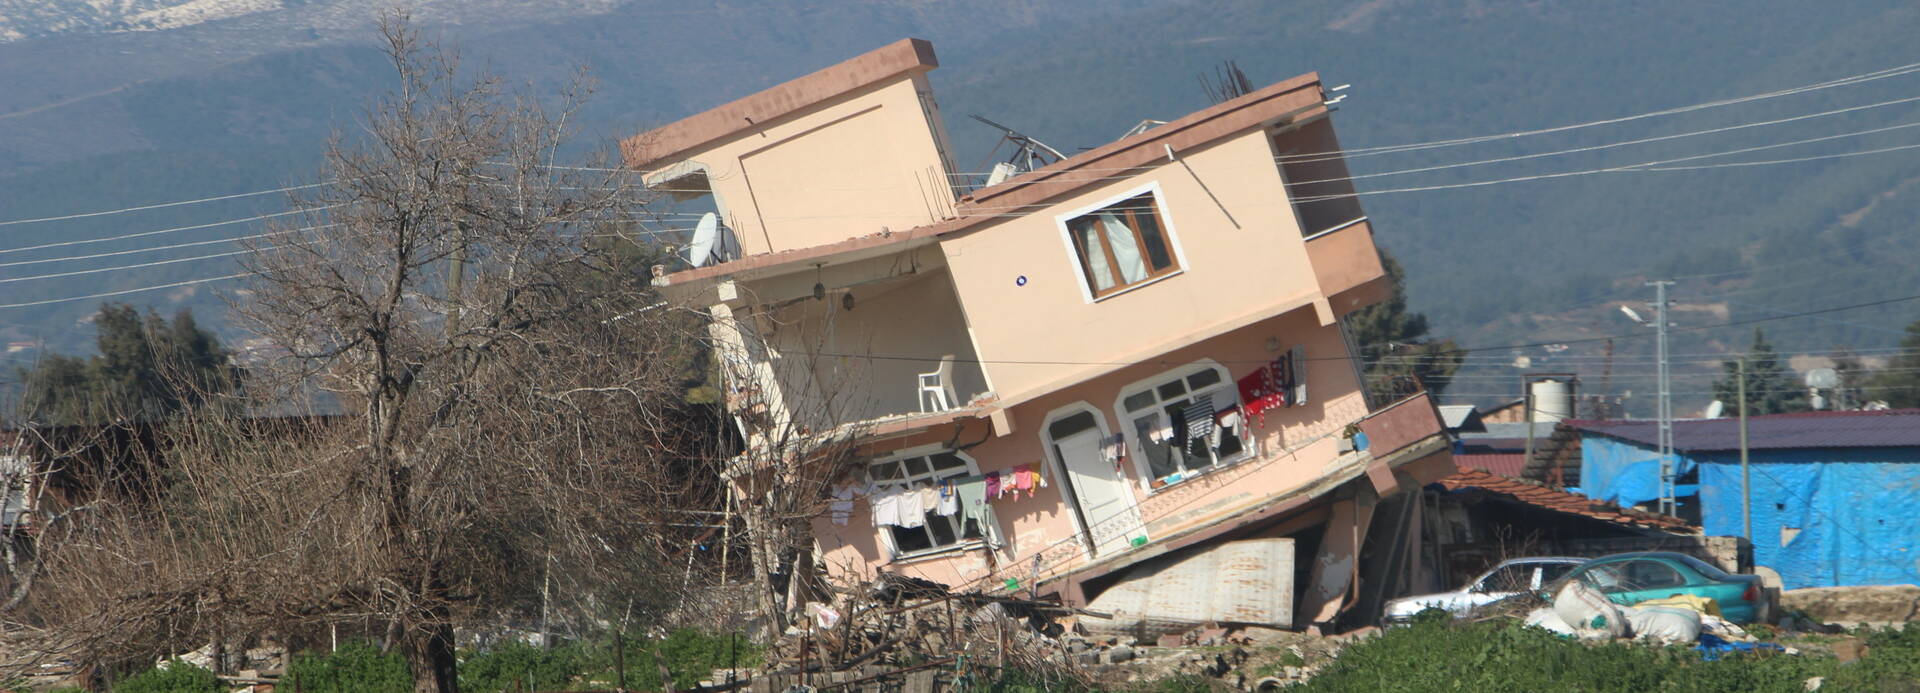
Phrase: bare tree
{"type": "Point", "coordinates": [479, 400]}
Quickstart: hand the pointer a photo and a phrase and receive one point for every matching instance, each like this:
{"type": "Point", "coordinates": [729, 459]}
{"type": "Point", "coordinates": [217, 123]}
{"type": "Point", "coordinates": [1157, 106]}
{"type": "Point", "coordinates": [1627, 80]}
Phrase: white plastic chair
{"type": "Point", "coordinates": [937, 387]}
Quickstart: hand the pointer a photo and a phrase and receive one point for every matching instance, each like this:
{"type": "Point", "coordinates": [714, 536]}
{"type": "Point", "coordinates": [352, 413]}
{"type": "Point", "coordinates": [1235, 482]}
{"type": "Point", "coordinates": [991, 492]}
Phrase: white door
{"type": "Point", "coordinates": [1106, 501]}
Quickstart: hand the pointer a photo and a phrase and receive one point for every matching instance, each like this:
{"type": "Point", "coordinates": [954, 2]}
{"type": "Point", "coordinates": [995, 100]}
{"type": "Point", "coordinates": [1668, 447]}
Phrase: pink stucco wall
{"type": "Point", "coordinates": [1295, 448]}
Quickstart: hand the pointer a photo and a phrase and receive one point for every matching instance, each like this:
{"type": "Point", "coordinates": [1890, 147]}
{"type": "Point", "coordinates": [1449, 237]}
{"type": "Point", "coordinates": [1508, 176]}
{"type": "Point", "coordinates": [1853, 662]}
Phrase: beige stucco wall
{"type": "Point", "coordinates": [1309, 176]}
{"type": "Point", "coordinates": [1296, 447]}
{"type": "Point", "coordinates": [1237, 267]}
{"type": "Point", "coordinates": [849, 166]}
{"type": "Point", "coordinates": [913, 321]}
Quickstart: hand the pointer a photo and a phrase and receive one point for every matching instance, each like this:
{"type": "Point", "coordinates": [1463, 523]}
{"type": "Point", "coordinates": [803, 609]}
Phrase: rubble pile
{"type": "Point", "coordinates": [900, 626]}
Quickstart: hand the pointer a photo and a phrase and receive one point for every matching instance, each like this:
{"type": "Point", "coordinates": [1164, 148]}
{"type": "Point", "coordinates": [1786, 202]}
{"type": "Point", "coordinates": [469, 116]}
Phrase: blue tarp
{"type": "Point", "coordinates": [1617, 471]}
{"type": "Point", "coordinates": [1848, 514]}
{"type": "Point", "coordinates": [1854, 510]}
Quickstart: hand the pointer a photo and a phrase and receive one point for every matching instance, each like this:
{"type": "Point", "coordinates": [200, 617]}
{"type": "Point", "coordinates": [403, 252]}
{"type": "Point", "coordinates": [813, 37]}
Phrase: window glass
{"type": "Point", "coordinates": [1553, 571]}
{"type": "Point", "coordinates": [1166, 415]}
{"type": "Point", "coordinates": [940, 531]}
{"type": "Point", "coordinates": [1641, 575]}
{"type": "Point", "coordinates": [948, 460]}
{"type": "Point", "coordinates": [1705, 569]}
{"type": "Point", "coordinates": [1071, 425]}
{"type": "Point", "coordinates": [1513, 578]}
{"type": "Point", "coordinates": [1605, 578]}
{"type": "Point", "coordinates": [1122, 245]}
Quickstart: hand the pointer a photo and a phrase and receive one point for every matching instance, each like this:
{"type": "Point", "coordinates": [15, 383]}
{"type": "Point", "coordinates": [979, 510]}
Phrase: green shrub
{"type": "Point", "coordinates": [689, 655]}
{"type": "Point", "coordinates": [357, 667]}
{"type": "Point", "coordinates": [517, 666]}
{"type": "Point", "coordinates": [1503, 656]}
{"type": "Point", "coordinates": [173, 677]}
{"type": "Point", "coordinates": [1182, 683]}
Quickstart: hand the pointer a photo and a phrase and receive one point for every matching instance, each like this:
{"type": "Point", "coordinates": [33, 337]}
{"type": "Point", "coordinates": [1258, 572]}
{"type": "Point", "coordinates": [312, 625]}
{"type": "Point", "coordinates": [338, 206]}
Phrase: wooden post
{"type": "Point", "coordinates": [620, 662]}
{"type": "Point", "coordinates": [1000, 639]}
{"type": "Point", "coordinates": [806, 642]}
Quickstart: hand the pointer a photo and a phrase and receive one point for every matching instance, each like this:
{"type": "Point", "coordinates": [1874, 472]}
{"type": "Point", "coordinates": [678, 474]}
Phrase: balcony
{"type": "Point", "coordinates": [1398, 426]}
{"type": "Point", "coordinates": [1347, 266]}
{"type": "Point", "coordinates": [846, 353]}
{"type": "Point", "coordinates": [1401, 446]}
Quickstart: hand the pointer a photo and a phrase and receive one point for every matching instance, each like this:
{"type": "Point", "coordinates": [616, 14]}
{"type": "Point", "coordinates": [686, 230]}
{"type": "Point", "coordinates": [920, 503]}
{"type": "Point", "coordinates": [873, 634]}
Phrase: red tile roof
{"type": "Point", "coordinates": [1549, 498]}
{"type": "Point", "coordinates": [1501, 463]}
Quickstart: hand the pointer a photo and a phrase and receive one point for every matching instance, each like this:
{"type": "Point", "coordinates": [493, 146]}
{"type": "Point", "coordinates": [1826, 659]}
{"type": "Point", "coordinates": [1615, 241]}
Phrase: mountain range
{"type": "Point", "coordinates": [1527, 239]}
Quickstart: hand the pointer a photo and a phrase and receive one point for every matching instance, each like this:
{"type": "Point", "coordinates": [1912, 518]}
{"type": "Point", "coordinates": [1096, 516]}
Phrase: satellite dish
{"type": "Point", "coordinates": [1823, 378]}
{"type": "Point", "coordinates": [1632, 315]}
{"type": "Point", "coordinates": [705, 234]}
{"type": "Point", "coordinates": [1716, 409]}
{"type": "Point", "coordinates": [711, 242]}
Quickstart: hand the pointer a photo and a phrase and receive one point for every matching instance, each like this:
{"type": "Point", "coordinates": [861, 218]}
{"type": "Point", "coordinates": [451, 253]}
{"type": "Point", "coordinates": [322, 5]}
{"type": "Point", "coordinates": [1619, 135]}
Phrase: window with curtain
{"type": "Point", "coordinates": [1122, 245]}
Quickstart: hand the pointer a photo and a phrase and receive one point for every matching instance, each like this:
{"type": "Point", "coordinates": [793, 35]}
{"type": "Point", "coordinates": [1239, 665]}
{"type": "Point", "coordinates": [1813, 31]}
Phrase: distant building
{"type": "Point", "coordinates": [1138, 350]}
{"type": "Point", "coordinates": [1834, 494]}
{"type": "Point", "coordinates": [1511, 412]}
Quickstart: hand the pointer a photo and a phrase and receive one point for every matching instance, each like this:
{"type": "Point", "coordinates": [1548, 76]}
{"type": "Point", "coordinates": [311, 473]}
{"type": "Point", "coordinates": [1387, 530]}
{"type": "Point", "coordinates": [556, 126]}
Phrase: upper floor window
{"type": "Point", "coordinates": [1122, 245]}
{"type": "Point", "coordinates": [918, 471]}
{"type": "Point", "coordinates": [1185, 422]}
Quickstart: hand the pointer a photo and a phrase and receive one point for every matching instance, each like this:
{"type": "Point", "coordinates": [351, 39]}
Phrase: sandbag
{"type": "Point", "coordinates": [1665, 624]}
{"type": "Point", "coordinates": [1588, 611]}
{"type": "Point", "coordinates": [1686, 601]}
{"type": "Point", "coordinates": [1724, 628]}
{"type": "Point", "coordinates": [1545, 618]}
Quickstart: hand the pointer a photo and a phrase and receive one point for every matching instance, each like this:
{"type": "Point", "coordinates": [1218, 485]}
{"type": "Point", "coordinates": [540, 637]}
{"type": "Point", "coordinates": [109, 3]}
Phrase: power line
{"type": "Point", "coordinates": [1611, 145]}
{"type": "Point", "coordinates": [1390, 149]}
{"type": "Point", "coordinates": [154, 249]}
{"type": "Point", "coordinates": [162, 205]}
{"type": "Point", "coordinates": [176, 229]}
{"type": "Point", "coordinates": [1640, 167]}
{"type": "Point", "coordinates": [122, 292]}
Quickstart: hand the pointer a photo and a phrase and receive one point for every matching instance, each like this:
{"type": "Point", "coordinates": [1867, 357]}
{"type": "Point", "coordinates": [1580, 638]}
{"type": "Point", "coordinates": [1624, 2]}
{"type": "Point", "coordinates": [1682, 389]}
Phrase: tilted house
{"type": "Point", "coordinates": [1138, 350]}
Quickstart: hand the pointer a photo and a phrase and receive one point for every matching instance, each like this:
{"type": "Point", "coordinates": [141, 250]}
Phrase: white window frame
{"type": "Point", "coordinates": [1167, 227]}
{"type": "Point", "coordinates": [886, 533]}
{"type": "Point", "coordinates": [1249, 444]}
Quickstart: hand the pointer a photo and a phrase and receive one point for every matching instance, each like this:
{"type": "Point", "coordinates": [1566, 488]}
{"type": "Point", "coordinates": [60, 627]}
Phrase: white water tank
{"type": "Point", "coordinates": [1552, 400]}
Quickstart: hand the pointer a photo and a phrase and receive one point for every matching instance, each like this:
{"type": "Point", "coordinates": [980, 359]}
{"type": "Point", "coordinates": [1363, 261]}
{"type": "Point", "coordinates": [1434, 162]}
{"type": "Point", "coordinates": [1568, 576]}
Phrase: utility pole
{"type": "Point", "coordinates": [1746, 480]}
{"type": "Point", "coordinates": [1666, 399]}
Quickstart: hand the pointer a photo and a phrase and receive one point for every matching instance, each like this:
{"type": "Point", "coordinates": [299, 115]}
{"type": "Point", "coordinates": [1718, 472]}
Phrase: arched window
{"type": "Point", "coordinates": [1184, 422]}
{"type": "Point", "coordinates": [920, 468]}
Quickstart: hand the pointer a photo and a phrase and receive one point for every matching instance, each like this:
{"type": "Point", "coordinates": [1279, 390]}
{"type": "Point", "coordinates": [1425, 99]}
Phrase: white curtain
{"type": "Point", "coordinates": [1133, 267]}
{"type": "Point", "coordinates": [1096, 260]}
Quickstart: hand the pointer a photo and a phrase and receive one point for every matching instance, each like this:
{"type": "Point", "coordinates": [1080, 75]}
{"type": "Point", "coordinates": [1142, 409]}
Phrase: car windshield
{"type": "Point", "coordinates": [1604, 577]}
{"type": "Point", "coordinates": [1706, 570]}
{"type": "Point", "coordinates": [1507, 578]}
{"type": "Point", "coordinates": [1550, 572]}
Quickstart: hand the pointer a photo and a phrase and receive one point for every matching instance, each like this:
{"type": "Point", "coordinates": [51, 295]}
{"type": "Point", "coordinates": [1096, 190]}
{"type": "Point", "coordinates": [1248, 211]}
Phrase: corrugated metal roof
{"type": "Point", "coordinates": [1245, 581]}
{"type": "Point", "coordinates": [1537, 495]}
{"type": "Point", "coordinates": [1819, 429]}
{"type": "Point", "coordinates": [1518, 429]}
{"type": "Point", "coordinates": [1456, 415]}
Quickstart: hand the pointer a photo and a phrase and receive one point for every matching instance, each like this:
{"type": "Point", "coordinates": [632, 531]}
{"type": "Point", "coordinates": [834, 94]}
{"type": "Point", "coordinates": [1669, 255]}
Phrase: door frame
{"type": "Point", "coordinates": [1059, 468]}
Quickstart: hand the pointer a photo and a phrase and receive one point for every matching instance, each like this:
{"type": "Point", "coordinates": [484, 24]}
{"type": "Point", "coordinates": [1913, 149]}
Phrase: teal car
{"type": "Point", "coordinates": [1631, 578]}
